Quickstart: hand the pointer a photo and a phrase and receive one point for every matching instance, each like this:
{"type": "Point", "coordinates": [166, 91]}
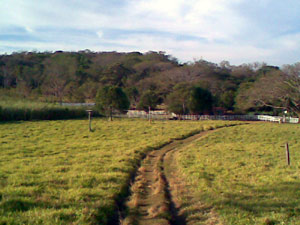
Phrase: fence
{"type": "Point", "coordinates": [277, 119]}
{"type": "Point", "coordinates": [146, 116]}
{"type": "Point", "coordinates": [77, 104]}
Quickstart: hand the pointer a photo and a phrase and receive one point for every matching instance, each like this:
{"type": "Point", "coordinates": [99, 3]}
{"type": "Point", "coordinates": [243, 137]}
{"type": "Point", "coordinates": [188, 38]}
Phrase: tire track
{"type": "Point", "coordinates": [151, 200]}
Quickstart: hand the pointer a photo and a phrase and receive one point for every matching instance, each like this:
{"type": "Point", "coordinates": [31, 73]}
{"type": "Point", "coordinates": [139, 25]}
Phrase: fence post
{"type": "Point", "coordinates": [149, 114]}
{"type": "Point", "coordinates": [90, 119]}
{"type": "Point", "coordinates": [287, 154]}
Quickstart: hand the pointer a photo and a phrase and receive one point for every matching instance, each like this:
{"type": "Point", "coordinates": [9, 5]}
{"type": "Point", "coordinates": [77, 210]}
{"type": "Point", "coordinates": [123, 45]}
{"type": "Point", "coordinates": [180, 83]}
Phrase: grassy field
{"type": "Point", "coordinates": [241, 173]}
{"type": "Point", "coordinates": [14, 109]}
{"type": "Point", "coordinates": [56, 172]}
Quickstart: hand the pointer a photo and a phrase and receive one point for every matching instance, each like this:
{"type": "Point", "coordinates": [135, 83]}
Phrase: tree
{"type": "Point", "coordinates": [148, 99]}
{"type": "Point", "coordinates": [132, 93]}
{"type": "Point", "coordinates": [227, 99]}
{"type": "Point", "coordinates": [177, 100]}
{"type": "Point", "coordinates": [89, 90]}
{"type": "Point", "coordinates": [59, 71]}
{"type": "Point", "coordinates": [292, 83]}
{"type": "Point", "coordinates": [200, 100]}
{"type": "Point", "coordinates": [73, 92]}
{"type": "Point", "coordinates": [22, 89]}
{"type": "Point", "coordinates": [55, 83]}
{"type": "Point", "coordinates": [115, 75]}
{"type": "Point", "coordinates": [112, 98]}
{"type": "Point", "coordinates": [242, 102]}
{"type": "Point", "coordinates": [83, 64]}
{"type": "Point", "coordinates": [278, 89]}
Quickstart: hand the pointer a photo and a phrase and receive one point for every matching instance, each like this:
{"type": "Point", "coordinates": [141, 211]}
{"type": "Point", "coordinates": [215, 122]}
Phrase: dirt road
{"type": "Point", "coordinates": [154, 191]}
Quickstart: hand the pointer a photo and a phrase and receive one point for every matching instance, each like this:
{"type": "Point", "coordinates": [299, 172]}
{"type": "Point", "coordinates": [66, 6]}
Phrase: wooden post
{"type": "Point", "coordinates": [287, 154]}
{"type": "Point", "coordinates": [110, 114]}
{"type": "Point", "coordinates": [149, 114]}
{"type": "Point", "coordinates": [90, 119]}
{"type": "Point", "coordinates": [90, 122]}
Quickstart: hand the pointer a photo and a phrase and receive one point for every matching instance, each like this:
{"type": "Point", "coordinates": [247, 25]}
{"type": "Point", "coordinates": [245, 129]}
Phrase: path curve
{"type": "Point", "coordinates": [151, 201]}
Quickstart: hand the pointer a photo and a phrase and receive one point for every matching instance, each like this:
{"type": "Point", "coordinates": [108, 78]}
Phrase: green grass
{"type": "Point", "coordinates": [14, 109]}
{"type": "Point", "coordinates": [56, 172]}
{"type": "Point", "coordinates": [242, 173]}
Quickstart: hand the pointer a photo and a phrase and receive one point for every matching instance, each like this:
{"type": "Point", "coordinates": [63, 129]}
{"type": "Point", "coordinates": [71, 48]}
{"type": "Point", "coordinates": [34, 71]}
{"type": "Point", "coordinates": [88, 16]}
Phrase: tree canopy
{"type": "Point", "coordinates": [110, 99]}
{"type": "Point", "coordinates": [148, 100]}
{"type": "Point", "coordinates": [76, 77]}
{"type": "Point", "coordinates": [277, 89]}
{"type": "Point", "coordinates": [177, 100]}
{"type": "Point", "coordinates": [200, 101]}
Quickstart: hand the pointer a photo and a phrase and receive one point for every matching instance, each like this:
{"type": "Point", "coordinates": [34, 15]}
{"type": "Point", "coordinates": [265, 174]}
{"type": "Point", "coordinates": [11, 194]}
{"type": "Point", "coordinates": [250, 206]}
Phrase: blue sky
{"type": "Point", "coordinates": [239, 31]}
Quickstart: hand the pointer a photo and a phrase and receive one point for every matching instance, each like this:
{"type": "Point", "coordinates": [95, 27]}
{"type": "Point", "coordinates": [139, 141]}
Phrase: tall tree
{"type": "Point", "coordinates": [132, 93]}
{"type": "Point", "coordinates": [200, 101]}
{"type": "Point", "coordinates": [110, 99]}
{"type": "Point", "coordinates": [227, 99]}
{"type": "Point", "coordinates": [278, 89]}
{"type": "Point", "coordinates": [59, 71]}
{"type": "Point", "coordinates": [177, 100]}
{"type": "Point", "coordinates": [115, 75]}
{"type": "Point", "coordinates": [148, 100]}
{"type": "Point", "coordinates": [89, 90]}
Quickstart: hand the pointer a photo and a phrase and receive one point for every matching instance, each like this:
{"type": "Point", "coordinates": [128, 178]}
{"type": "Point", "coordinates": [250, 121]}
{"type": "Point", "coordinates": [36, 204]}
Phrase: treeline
{"type": "Point", "coordinates": [78, 76]}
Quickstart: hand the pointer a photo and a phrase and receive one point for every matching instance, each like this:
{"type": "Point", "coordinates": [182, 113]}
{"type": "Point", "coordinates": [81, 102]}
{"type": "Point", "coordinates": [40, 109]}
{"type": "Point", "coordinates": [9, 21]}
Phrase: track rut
{"type": "Point", "coordinates": [151, 201]}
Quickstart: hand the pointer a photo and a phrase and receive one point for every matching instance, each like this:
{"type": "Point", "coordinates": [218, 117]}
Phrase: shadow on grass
{"type": "Point", "coordinates": [254, 201]}
{"type": "Point", "coordinates": [17, 205]}
{"type": "Point", "coordinates": [11, 122]}
{"type": "Point", "coordinates": [280, 197]}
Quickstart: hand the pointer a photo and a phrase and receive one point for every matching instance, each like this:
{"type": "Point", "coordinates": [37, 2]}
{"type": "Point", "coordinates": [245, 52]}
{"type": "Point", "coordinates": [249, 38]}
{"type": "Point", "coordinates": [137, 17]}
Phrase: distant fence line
{"type": "Point", "coordinates": [251, 118]}
{"type": "Point", "coordinates": [162, 115]}
{"type": "Point", "coordinates": [77, 104]}
{"type": "Point", "coordinates": [277, 119]}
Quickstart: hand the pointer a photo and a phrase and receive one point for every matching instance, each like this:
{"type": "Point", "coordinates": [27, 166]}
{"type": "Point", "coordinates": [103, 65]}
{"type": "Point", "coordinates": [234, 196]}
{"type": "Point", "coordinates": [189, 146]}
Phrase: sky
{"type": "Point", "coordinates": [238, 31]}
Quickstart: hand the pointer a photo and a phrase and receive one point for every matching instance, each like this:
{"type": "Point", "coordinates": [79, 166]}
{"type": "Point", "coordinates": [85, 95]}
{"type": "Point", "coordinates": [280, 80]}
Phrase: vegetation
{"type": "Point", "coordinates": [242, 173]}
{"type": "Point", "coordinates": [57, 172]}
{"type": "Point", "coordinates": [177, 100]}
{"type": "Point", "coordinates": [149, 100]}
{"type": "Point", "coordinates": [284, 92]}
{"type": "Point", "coordinates": [77, 76]}
{"type": "Point", "coordinates": [186, 98]}
{"type": "Point", "coordinates": [14, 110]}
{"type": "Point", "coordinates": [200, 101]}
{"type": "Point", "coordinates": [110, 99]}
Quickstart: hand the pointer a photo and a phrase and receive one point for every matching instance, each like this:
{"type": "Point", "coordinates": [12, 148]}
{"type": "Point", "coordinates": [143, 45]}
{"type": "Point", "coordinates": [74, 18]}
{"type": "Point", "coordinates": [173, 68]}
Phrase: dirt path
{"type": "Point", "coordinates": [188, 206]}
{"type": "Point", "coordinates": [152, 201]}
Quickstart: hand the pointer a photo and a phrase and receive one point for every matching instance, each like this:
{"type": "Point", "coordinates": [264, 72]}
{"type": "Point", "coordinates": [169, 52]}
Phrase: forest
{"type": "Point", "coordinates": [153, 77]}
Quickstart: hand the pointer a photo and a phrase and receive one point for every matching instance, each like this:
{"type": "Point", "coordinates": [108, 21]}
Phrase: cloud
{"type": "Point", "coordinates": [235, 30]}
{"type": "Point", "coordinates": [211, 19]}
{"type": "Point", "coordinates": [99, 34]}
{"type": "Point", "coordinates": [188, 49]}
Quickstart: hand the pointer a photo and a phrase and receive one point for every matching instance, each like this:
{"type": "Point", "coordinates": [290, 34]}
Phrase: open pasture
{"type": "Point", "coordinates": [240, 174]}
{"type": "Point", "coordinates": [57, 172]}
